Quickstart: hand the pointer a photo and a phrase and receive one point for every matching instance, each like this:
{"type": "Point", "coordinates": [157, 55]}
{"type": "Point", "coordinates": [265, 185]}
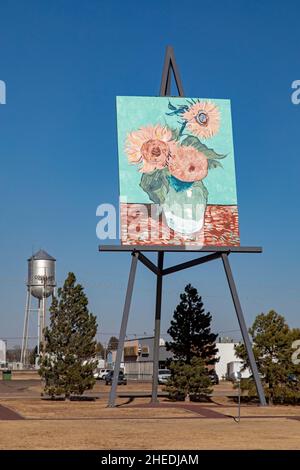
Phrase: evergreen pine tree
{"type": "Point", "coordinates": [67, 364]}
{"type": "Point", "coordinates": [190, 330]}
{"type": "Point", "coordinates": [190, 380]}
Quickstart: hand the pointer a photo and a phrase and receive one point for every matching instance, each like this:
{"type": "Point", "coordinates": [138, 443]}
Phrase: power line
{"type": "Point", "coordinates": [145, 333]}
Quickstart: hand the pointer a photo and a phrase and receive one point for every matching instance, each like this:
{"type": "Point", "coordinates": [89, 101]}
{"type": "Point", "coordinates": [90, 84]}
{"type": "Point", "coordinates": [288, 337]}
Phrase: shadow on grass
{"type": "Point", "coordinates": [130, 400]}
{"type": "Point", "coordinates": [74, 398]}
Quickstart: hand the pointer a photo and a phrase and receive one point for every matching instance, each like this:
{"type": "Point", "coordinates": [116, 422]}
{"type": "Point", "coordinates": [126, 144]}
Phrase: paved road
{"type": "Point", "coordinates": [7, 414]}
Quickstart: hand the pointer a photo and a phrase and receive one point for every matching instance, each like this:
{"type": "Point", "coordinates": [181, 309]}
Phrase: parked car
{"type": "Point", "coordinates": [101, 373]}
{"type": "Point", "coordinates": [213, 377]}
{"type": "Point", "coordinates": [293, 378]}
{"type": "Point", "coordinates": [121, 379]}
{"type": "Point", "coordinates": [163, 376]}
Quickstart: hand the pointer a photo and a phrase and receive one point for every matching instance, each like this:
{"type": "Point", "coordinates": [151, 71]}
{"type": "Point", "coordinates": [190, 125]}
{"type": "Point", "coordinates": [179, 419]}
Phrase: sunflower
{"type": "Point", "coordinates": [149, 146]}
{"type": "Point", "coordinates": [202, 119]}
{"type": "Point", "coordinates": [187, 163]}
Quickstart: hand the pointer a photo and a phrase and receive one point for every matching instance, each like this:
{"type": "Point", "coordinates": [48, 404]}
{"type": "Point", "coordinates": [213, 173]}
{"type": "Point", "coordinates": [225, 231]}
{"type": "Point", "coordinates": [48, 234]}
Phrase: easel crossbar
{"type": "Point", "coordinates": [146, 261]}
{"type": "Point", "coordinates": [181, 248]}
{"type": "Point", "coordinates": [190, 264]}
{"type": "Point", "coordinates": [177, 267]}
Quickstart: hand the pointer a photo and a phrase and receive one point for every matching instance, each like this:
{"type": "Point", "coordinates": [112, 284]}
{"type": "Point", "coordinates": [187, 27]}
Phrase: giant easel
{"type": "Point", "coordinates": [215, 252]}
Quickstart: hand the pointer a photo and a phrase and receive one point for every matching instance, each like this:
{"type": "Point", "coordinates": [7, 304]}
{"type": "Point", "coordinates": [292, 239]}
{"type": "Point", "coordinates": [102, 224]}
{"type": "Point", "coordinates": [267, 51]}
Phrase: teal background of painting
{"type": "Point", "coordinates": [134, 112]}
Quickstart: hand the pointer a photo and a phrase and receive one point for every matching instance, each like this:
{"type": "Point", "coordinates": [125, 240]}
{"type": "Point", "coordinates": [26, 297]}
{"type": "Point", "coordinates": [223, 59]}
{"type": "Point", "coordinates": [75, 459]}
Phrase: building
{"type": "Point", "coordinates": [2, 353]}
{"type": "Point", "coordinates": [137, 359]}
{"type": "Point", "coordinates": [226, 356]}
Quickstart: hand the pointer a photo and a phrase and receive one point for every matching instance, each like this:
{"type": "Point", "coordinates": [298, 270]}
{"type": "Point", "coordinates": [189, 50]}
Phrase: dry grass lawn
{"type": "Point", "coordinates": [87, 425]}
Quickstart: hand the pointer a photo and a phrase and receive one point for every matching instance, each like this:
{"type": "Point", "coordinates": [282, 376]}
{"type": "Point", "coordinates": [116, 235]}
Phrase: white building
{"type": "Point", "coordinates": [226, 357]}
{"type": "Point", "coordinates": [2, 353]}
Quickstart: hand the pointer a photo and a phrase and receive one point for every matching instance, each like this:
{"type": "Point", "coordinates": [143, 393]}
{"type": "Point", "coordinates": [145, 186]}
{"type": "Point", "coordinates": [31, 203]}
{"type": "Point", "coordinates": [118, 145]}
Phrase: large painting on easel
{"type": "Point", "coordinates": [177, 173]}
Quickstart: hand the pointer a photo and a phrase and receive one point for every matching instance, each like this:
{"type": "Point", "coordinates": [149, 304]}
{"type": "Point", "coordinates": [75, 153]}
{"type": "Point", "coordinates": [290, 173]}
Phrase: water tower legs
{"type": "Point", "coordinates": [41, 323]}
{"type": "Point", "coordinates": [25, 329]}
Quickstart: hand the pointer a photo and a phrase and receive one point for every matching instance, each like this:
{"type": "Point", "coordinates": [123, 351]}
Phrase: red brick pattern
{"type": "Point", "coordinates": [140, 225]}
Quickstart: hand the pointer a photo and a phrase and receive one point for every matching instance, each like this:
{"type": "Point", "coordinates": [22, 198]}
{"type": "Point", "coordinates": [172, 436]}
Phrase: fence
{"type": "Point", "coordinates": [139, 370]}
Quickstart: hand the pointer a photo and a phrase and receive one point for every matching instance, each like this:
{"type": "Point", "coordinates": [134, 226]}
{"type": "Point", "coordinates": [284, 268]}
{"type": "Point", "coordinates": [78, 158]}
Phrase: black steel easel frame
{"type": "Point", "coordinates": [158, 269]}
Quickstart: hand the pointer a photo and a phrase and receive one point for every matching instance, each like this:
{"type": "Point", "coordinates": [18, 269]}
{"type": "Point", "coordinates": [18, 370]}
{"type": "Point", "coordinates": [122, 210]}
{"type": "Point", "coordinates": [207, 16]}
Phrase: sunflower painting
{"type": "Point", "coordinates": [177, 174]}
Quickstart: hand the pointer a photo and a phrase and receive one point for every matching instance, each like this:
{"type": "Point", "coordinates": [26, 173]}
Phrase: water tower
{"type": "Point", "coordinates": [40, 285]}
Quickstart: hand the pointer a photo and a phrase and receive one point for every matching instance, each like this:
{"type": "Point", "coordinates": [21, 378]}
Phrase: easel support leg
{"type": "Point", "coordinates": [113, 391]}
{"type": "Point", "coordinates": [160, 261]}
{"type": "Point", "coordinates": [25, 330]}
{"type": "Point", "coordinates": [243, 328]}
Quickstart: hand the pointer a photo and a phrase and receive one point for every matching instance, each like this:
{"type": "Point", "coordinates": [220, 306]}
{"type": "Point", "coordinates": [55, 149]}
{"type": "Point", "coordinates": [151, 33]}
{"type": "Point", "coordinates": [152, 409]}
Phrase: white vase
{"type": "Point", "coordinates": [184, 210]}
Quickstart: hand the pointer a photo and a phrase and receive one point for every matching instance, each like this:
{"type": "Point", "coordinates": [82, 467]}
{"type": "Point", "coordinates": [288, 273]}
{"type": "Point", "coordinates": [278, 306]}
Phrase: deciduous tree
{"type": "Point", "coordinates": [113, 344]}
{"type": "Point", "coordinates": [272, 347]}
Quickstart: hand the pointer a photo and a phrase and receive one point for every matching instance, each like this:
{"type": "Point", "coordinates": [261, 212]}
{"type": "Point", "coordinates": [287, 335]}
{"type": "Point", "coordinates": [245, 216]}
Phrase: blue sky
{"type": "Point", "coordinates": [64, 62]}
